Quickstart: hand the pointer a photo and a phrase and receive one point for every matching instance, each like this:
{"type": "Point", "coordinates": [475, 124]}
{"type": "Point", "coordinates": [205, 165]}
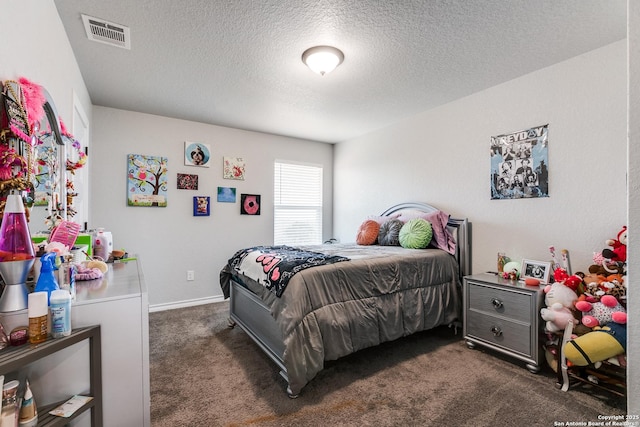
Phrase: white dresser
{"type": "Point", "coordinates": [119, 304]}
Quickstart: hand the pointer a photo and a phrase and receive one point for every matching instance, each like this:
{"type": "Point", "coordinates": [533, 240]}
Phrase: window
{"type": "Point", "coordinates": [297, 216]}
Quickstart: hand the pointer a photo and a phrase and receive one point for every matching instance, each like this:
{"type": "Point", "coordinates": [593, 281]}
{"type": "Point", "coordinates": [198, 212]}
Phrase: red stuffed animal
{"type": "Point", "coordinates": [619, 245]}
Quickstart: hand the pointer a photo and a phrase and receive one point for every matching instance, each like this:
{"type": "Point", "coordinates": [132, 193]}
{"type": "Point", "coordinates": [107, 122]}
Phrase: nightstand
{"type": "Point", "coordinates": [504, 315]}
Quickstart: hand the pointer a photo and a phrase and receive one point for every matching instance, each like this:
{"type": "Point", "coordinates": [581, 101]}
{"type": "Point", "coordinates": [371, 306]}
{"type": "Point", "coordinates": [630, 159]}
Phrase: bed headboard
{"type": "Point", "coordinates": [460, 228]}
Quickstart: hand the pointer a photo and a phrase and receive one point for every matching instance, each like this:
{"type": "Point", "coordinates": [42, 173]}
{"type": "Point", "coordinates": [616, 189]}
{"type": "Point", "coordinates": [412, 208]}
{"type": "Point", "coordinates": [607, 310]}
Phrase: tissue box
{"type": "Point", "coordinates": [85, 239]}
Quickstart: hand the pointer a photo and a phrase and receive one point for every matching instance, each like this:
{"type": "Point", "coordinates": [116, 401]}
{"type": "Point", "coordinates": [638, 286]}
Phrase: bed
{"type": "Point", "coordinates": [361, 296]}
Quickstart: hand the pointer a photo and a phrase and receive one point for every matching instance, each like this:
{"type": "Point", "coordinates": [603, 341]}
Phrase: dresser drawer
{"type": "Point", "coordinates": [506, 303]}
{"type": "Point", "coordinates": [498, 331]}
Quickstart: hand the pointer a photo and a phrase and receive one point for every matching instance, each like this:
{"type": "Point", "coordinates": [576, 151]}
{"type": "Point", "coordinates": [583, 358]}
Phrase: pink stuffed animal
{"type": "Point", "coordinates": [608, 309]}
{"type": "Point", "coordinates": [557, 318]}
{"type": "Point", "coordinates": [559, 300]}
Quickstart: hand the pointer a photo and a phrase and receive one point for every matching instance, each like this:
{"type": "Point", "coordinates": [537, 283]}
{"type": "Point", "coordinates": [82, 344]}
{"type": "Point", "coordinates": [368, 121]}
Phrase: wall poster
{"type": "Point", "coordinates": [146, 180]}
{"type": "Point", "coordinates": [519, 164]}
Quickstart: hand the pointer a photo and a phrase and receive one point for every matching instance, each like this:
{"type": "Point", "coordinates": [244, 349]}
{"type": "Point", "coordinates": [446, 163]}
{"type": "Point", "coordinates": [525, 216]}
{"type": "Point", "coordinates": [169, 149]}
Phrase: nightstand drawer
{"type": "Point", "coordinates": [501, 332]}
{"type": "Point", "coordinates": [513, 305]}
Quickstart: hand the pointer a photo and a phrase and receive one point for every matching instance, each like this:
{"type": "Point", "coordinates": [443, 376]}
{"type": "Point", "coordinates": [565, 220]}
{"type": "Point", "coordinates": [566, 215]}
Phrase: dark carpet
{"type": "Point", "coordinates": [204, 373]}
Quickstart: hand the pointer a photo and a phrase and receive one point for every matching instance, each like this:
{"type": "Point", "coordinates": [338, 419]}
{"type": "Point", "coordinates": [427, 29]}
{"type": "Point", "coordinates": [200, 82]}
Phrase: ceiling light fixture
{"type": "Point", "coordinates": [322, 59]}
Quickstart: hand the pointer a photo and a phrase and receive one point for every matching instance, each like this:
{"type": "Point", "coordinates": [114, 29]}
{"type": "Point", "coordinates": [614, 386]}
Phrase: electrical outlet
{"type": "Point", "coordinates": [191, 275]}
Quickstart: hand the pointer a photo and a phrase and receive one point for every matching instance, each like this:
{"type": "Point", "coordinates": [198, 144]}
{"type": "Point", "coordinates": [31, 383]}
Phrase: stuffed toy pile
{"type": "Point", "coordinates": [594, 304]}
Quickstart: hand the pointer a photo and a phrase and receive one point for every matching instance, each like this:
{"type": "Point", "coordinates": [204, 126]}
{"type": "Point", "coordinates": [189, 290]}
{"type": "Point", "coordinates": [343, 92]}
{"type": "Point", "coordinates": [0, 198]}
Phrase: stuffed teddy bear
{"type": "Point", "coordinates": [592, 290]}
{"type": "Point", "coordinates": [597, 285]}
{"type": "Point", "coordinates": [619, 245]}
{"type": "Point", "coordinates": [600, 344]}
{"type": "Point", "coordinates": [615, 285]}
{"type": "Point", "coordinates": [607, 310]}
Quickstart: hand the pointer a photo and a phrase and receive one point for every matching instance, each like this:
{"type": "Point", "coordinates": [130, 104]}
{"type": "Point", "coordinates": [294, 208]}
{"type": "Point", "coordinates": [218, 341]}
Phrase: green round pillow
{"type": "Point", "coordinates": [416, 234]}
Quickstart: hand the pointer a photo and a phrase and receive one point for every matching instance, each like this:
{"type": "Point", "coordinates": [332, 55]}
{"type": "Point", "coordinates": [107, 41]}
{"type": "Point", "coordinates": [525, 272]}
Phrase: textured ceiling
{"type": "Point", "coordinates": [237, 63]}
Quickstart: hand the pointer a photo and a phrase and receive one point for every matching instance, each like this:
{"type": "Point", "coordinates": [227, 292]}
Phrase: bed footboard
{"type": "Point", "coordinates": [248, 311]}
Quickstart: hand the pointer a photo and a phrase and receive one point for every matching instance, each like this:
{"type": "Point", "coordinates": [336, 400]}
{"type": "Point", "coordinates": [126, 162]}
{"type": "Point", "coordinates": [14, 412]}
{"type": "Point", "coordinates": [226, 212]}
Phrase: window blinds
{"type": "Point", "coordinates": [297, 204]}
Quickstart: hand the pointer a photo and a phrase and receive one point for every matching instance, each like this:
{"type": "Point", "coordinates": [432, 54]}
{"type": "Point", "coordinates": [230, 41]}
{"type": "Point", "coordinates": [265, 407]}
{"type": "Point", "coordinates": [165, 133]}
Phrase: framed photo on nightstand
{"type": "Point", "coordinates": [536, 270]}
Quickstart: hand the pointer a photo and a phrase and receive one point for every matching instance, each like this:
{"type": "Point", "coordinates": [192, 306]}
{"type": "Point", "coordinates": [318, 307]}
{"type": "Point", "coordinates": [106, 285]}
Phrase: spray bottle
{"type": "Point", "coordinates": [47, 280]}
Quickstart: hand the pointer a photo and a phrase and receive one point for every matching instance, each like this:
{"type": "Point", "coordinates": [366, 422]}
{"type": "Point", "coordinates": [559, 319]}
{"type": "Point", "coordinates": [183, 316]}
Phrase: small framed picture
{"type": "Point", "coordinates": [536, 270]}
{"type": "Point", "coordinates": [226, 194]}
{"type": "Point", "coordinates": [250, 204]}
{"type": "Point", "coordinates": [233, 168]}
{"type": "Point", "coordinates": [187, 181]}
{"type": "Point", "coordinates": [197, 154]}
{"type": "Point", "coordinates": [201, 206]}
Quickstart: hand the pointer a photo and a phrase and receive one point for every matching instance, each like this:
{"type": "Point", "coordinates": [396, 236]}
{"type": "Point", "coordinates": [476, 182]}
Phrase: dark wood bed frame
{"type": "Point", "coordinates": [253, 316]}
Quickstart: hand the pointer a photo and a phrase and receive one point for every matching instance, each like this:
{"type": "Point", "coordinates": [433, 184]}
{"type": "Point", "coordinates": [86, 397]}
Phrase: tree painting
{"type": "Point", "coordinates": [146, 180]}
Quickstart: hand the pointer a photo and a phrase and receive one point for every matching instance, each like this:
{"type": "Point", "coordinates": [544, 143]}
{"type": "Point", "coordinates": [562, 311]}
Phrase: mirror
{"type": "Point", "coordinates": [34, 146]}
{"type": "Point", "coordinates": [50, 199]}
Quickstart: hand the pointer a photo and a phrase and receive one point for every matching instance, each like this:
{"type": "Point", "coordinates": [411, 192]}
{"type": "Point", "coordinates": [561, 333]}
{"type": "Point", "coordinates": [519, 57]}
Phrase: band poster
{"type": "Point", "coordinates": [519, 164]}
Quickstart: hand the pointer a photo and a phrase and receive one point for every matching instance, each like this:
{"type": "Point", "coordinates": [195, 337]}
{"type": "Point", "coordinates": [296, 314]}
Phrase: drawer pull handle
{"type": "Point", "coordinates": [496, 303]}
{"type": "Point", "coordinates": [496, 331]}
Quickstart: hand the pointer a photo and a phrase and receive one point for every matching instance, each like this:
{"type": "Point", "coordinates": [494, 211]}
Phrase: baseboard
{"type": "Point", "coordinates": [183, 304]}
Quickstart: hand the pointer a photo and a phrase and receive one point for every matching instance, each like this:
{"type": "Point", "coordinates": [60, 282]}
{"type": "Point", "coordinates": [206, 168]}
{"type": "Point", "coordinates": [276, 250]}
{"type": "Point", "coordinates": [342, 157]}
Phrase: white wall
{"type": "Point", "coordinates": [171, 240]}
{"type": "Point", "coordinates": [442, 156]}
{"type": "Point", "coordinates": [633, 303]}
{"type": "Point", "coordinates": [35, 46]}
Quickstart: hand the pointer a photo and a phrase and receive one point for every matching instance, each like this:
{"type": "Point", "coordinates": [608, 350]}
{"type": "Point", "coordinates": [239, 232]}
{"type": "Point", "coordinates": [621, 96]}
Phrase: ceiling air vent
{"type": "Point", "coordinates": [99, 30]}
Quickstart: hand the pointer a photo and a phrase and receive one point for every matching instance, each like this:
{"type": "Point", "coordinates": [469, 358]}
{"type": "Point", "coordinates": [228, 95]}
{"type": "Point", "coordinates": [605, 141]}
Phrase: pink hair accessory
{"type": "Point", "coordinates": [34, 101]}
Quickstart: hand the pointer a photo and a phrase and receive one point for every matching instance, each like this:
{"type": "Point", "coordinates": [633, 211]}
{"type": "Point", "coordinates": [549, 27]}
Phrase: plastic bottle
{"type": "Point", "coordinates": [60, 309]}
{"type": "Point", "coordinates": [47, 280]}
{"type": "Point", "coordinates": [10, 405]}
{"type": "Point", "coordinates": [38, 312]}
{"type": "Point", "coordinates": [67, 275]}
{"type": "Point", "coordinates": [101, 245]}
{"type": "Point", "coordinates": [28, 412]}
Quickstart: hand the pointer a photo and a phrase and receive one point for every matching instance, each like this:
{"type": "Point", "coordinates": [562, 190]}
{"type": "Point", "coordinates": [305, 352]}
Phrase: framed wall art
{"type": "Point", "coordinates": [250, 204]}
{"type": "Point", "coordinates": [540, 270]}
{"type": "Point", "coordinates": [187, 181]}
{"type": "Point", "coordinates": [226, 195]}
{"type": "Point", "coordinates": [197, 154]}
{"type": "Point", "coordinates": [519, 164]}
{"type": "Point", "coordinates": [233, 168]}
{"type": "Point", "coordinates": [201, 206]}
{"type": "Point", "coordinates": [146, 180]}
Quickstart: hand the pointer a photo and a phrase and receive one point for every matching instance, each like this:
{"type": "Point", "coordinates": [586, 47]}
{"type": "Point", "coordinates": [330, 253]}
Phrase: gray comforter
{"type": "Point", "coordinates": [382, 293]}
